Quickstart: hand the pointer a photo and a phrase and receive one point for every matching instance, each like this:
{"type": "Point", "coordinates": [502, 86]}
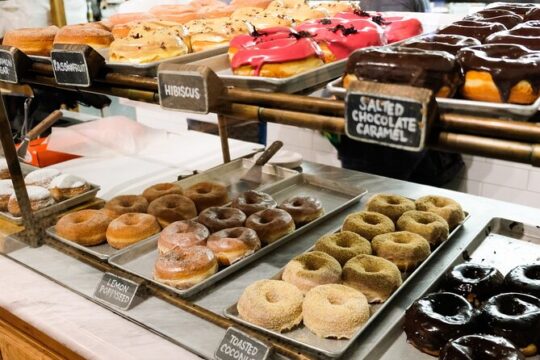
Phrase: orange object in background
{"type": "Point", "coordinates": [42, 157]}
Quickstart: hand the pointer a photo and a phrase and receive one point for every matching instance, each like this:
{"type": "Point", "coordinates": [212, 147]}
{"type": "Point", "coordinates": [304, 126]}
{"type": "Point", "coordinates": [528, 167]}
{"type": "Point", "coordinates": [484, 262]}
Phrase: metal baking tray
{"type": "Point", "coordinates": [230, 175]}
{"type": "Point", "coordinates": [333, 348]}
{"type": "Point", "coordinates": [513, 111]}
{"type": "Point", "coordinates": [308, 79]}
{"type": "Point", "coordinates": [140, 258]}
{"type": "Point", "coordinates": [57, 207]}
{"type": "Point", "coordinates": [503, 244]}
{"type": "Point", "coordinates": [150, 69]}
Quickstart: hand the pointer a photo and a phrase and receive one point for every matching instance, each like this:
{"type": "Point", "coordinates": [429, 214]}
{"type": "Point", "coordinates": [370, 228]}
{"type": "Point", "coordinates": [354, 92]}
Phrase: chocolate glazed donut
{"type": "Point", "coordinates": [435, 318]}
{"type": "Point", "coordinates": [475, 282]}
{"type": "Point", "coordinates": [485, 347]}
{"type": "Point", "coordinates": [524, 279]}
{"type": "Point", "coordinates": [515, 317]}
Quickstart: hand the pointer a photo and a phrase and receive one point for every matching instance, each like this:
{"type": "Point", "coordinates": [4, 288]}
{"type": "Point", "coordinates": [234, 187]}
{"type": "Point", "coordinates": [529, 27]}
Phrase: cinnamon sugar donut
{"type": "Point", "coordinates": [184, 267]}
{"type": "Point", "coordinates": [368, 224]}
{"type": "Point", "coordinates": [303, 209]}
{"type": "Point", "coordinates": [171, 208]}
{"type": "Point", "coordinates": [335, 311]}
{"type": "Point", "coordinates": [161, 189]}
{"type": "Point", "coordinates": [39, 198]}
{"type": "Point", "coordinates": [84, 227]}
{"type": "Point", "coordinates": [429, 225]}
{"type": "Point", "coordinates": [373, 276]}
{"type": "Point", "coordinates": [445, 207]}
{"type": "Point", "coordinates": [131, 228]}
{"type": "Point", "coordinates": [219, 218]}
{"type": "Point", "coordinates": [124, 204]}
{"type": "Point", "coordinates": [405, 249]}
{"type": "Point", "coordinates": [184, 233]}
{"type": "Point", "coordinates": [253, 201]}
{"type": "Point", "coordinates": [312, 269]}
{"type": "Point", "coordinates": [272, 304]}
{"type": "Point", "coordinates": [343, 246]}
{"type": "Point", "coordinates": [390, 205]}
{"type": "Point", "coordinates": [207, 194]}
{"type": "Point", "coordinates": [231, 245]}
{"type": "Point", "coordinates": [271, 224]}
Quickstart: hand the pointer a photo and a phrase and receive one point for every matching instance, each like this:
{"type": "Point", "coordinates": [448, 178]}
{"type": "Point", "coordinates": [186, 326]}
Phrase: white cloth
{"type": "Point", "coordinates": [23, 13]}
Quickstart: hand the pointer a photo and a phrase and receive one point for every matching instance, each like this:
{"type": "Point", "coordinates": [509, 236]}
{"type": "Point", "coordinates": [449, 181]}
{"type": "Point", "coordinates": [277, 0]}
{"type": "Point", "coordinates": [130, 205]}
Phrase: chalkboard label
{"type": "Point", "coordinates": [188, 88]}
{"type": "Point", "coordinates": [236, 345]}
{"type": "Point", "coordinates": [388, 115]}
{"type": "Point", "coordinates": [8, 72]}
{"type": "Point", "coordinates": [70, 68]}
{"type": "Point", "coordinates": [116, 291]}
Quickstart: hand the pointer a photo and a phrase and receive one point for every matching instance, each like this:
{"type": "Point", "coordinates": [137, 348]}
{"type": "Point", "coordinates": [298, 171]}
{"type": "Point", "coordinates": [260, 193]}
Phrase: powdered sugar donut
{"type": "Point", "coordinates": [39, 199]}
{"type": "Point", "coordinates": [6, 190]}
{"type": "Point", "coordinates": [66, 186]}
{"type": "Point", "coordinates": [41, 177]}
{"type": "Point", "coordinates": [4, 171]}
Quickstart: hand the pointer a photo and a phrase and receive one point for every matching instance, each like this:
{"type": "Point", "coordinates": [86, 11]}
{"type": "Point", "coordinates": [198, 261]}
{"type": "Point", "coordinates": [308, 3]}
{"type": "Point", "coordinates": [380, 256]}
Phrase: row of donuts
{"type": "Point", "coordinates": [477, 57]}
{"type": "Point", "coordinates": [45, 187]}
{"type": "Point", "coordinates": [333, 285]}
{"type": "Point", "coordinates": [479, 311]}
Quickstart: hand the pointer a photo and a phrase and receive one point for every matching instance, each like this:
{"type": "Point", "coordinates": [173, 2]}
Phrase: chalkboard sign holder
{"type": "Point", "coordinates": [116, 291]}
{"type": "Point", "coordinates": [13, 64]}
{"type": "Point", "coordinates": [75, 65]}
{"type": "Point", "coordinates": [237, 344]}
{"type": "Point", "coordinates": [190, 88]}
{"type": "Point", "coordinates": [397, 116]}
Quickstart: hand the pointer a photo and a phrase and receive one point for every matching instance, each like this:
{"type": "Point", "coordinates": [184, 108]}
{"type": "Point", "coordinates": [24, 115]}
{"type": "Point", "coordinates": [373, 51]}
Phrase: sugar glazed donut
{"type": "Point", "coordinates": [84, 227]}
{"type": "Point", "coordinates": [405, 249]}
{"type": "Point", "coordinates": [390, 205]}
{"type": "Point", "coordinates": [207, 194]}
{"type": "Point", "coordinates": [343, 246]}
{"type": "Point", "coordinates": [271, 224]}
{"type": "Point", "coordinates": [445, 207]}
{"type": "Point", "coordinates": [303, 209]}
{"type": "Point", "coordinates": [170, 208]}
{"type": "Point", "coordinates": [161, 189]}
{"type": "Point", "coordinates": [368, 224]}
{"type": "Point", "coordinates": [253, 201]}
{"type": "Point", "coordinates": [273, 304]}
{"type": "Point", "coordinates": [219, 218]}
{"type": "Point", "coordinates": [335, 311]}
{"type": "Point", "coordinates": [373, 276]}
{"type": "Point", "coordinates": [312, 269]}
{"type": "Point", "coordinates": [131, 228]}
{"type": "Point", "coordinates": [231, 245]}
{"type": "Point", "coordinates": [429, 225]}
{"type": "Point", "coordinates": [475, 282]}
{"type": "Point", "coordinates": [182, 267]}
{"type": "Point", "coordinates": [124, 204]}
{"type": "Point", "coordinates": [524, 279]}
{"type": "Point", "coordinates": [486, 347]}
{"type": "Point", "coordinates": [184, 233]}
{"type": "Point", "coordinates": [39, 197]}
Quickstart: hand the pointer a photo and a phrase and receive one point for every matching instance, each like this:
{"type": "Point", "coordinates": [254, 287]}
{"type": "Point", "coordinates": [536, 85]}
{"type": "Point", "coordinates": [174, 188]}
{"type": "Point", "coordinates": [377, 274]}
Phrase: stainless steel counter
{"type": "Point", "coordinates": [202, 337]}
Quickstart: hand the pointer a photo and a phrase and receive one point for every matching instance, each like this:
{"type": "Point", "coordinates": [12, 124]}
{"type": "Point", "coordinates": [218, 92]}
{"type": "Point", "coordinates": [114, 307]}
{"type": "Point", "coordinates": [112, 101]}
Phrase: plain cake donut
{"type": "Point", "coordinates": [303, 209]}
{"type": "Point", "coordinates": [184, 233]}
{"type": "Point", "coordinates": [445, 207]}
{"type": "Point", "coordinates": [207, 194]}
{"type": "Point", "coordinates": [273, 304]}
{"type": "Point", "coordinates": [170, 208]}
{"type": "Point", "coordinates": [231, 245]}
{"type": "Point", "coordinates": [373, 276]}
{"type": "Point", "coordinates": [429, 225]}
{"type": "Point", "coordinates": [405, 249]}
{"type": "Point", "coordinates": [312, 269]}
{"type": "Point", "coordinates": [253, 201]}
{"type": "Point", "coordinates": [271, 224]}
{"type": "Point", "coordinates": [368, 224]}
{"type": "Point", "coordinates": [343, 246]}
{"type": "Point", "coordinates": [161, 189]}
{"type": "Point", "coordinates": [84, 227]}
{"type": "Point", "coordinates": [131, 228]}
{"type": "Point", "coordinates": [124, 204]}
{"type": "Point", "coordinates": [335, 311]}
{"type": "Point", "coordinates": [219, 218]}
{"type": "Point", "coordinates": [390, 205]}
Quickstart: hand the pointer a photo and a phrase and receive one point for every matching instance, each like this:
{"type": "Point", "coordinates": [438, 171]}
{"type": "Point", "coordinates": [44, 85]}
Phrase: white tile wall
{"type": "Point", "coordinates": [497, 179]}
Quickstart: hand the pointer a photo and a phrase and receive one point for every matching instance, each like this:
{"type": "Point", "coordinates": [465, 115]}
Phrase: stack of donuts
{"type": "Point", "coordinates": [45, 187]}
{"type": "Point", "coordinates": [479, 313]}
{"type": "Point", "coordinates": [330, 288]}
{"type": "Point", "coordinates": [492, 55]}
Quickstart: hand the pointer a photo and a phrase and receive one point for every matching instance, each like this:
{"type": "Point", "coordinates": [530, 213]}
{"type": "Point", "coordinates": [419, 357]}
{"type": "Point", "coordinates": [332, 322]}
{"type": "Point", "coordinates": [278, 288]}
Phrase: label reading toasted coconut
{"type": "Point", "coordinates": [70, 68]}
{"type": "Point", "coordinates": [237, 345]}
{"type": "Point", "coordinates": [116, 291]}
{"type": "Point", "coordinates": [388, 115]}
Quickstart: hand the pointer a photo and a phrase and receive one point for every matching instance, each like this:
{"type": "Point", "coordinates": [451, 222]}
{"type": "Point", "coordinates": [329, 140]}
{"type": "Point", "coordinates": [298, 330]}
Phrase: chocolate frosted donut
{"type": "Point", "coordinates": [207, 194]}
{"type": "Point", "coordinates": [303, 209]}
{"type": "Point", "coordinates": [442, 42]}
{"type": "Point", "coordinates": [368, 224]}
{"type": "Point", "coordinates": [532, 14]}
{"type": "Point", "coordinates": [485, 347]}
{"type": "Point", "coordinates": [516, 8]}
{"type": "Point", "coordinates": [524, 279]}
{"type": "Point", "coordinates": [526, 34]}
{"type": "Point", "coordinates": [252, 201]}
{"type": "Point", "coordinates": [475, 282]}
{"type": "Point", "coordinates": [271, 224]}
{"type": "Point", "coordinates": [390, 205]}
{"type": "Point", "coordinates": [515, 317]}
{"type": "Point", "coordinates": [219, 218]}
{"type": "Point", "coordinates": [505, 17]}
{"type": "Point", "coordinates": [477, 29]}
{"type": "Point", "coordinates": [434, 319]}
{"type": "Point", "coordinates": [170, 208]}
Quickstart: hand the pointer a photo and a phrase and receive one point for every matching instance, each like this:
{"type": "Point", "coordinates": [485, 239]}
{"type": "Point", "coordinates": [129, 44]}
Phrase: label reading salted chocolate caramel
{"type": "Point", "coordinates": [237, 345]}
{"type": "Point", "coordinates": [388, 115]}
{"type": "Point", "coordinates": [116, 291]}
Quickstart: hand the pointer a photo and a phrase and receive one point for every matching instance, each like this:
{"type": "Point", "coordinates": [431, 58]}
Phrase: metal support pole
{"type": "Point", "coordinates": [224, 137]}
